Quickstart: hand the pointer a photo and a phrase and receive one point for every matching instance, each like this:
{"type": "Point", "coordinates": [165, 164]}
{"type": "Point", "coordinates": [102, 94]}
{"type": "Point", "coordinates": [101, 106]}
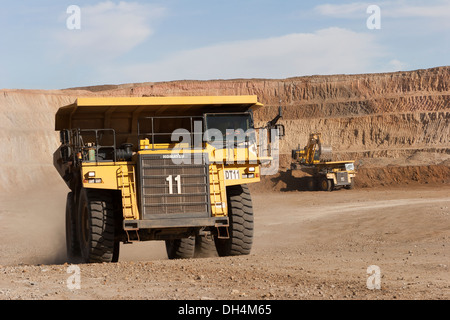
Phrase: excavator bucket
{"type": "Point", "coordinates": [326, 153]}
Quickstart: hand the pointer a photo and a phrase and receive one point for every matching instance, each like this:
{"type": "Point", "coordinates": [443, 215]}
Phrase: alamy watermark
{"type": "Point", "coordinates": [374, 20]}
{"type": "Point", "coordinates": [73, 22]}
{"type": "Point", "coordinates": [235, 147]}
{"type": "Point", "coordinates": [374, 278]}
{"type": "Point", "coordinates": [74, 280]}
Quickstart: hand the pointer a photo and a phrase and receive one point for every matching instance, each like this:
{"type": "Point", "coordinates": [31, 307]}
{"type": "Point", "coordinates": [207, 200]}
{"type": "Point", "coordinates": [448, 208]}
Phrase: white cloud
{"type": "Point", "coordinates": [397, 65]}
{"type": "Point", "coordinates": [441, 10]}
{"type": "Point", "coordinates": [327, 51]}
{"type": "Point", "coordinates": [392, 9]}
{"type": "Point", "coordinates": [108, 30]}
{"type": "Point", "coordinates": [348, 10]}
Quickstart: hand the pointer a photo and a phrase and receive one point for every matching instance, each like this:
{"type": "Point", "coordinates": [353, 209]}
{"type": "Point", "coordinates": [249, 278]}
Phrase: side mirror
{"type": "Point", "coordinates": [280, 130]}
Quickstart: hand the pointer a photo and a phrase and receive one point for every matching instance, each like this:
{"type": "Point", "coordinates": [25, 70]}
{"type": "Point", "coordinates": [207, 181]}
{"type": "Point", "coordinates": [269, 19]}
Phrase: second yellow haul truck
{"type": "Point", "coordinates": [158, 168]}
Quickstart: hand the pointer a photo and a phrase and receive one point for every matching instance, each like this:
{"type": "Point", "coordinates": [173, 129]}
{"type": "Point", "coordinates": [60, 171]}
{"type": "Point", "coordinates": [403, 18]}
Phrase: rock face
{"type": "Point", "coordinates": [390, 119]}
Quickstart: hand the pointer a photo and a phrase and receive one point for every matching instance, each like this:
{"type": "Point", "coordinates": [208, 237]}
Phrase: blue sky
{"type": "Point", "coordinates": [149, 41]}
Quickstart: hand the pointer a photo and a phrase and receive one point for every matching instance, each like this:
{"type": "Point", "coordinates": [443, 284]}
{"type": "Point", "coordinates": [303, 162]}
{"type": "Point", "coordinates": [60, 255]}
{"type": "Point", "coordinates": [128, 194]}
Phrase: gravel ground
{"type": "Point", "coordinates": [307, 245]}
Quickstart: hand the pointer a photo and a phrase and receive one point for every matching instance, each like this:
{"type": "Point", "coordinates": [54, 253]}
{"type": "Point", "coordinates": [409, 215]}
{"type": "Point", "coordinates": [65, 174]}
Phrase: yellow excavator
{"type": "Point", "coordinates": [316, 160]}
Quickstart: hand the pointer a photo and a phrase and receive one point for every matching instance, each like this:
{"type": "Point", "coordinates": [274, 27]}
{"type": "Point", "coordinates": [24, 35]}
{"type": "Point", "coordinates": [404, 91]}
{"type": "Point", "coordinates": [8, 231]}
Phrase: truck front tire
{"type": "Point", "coordinates": [351, 185]}
{"type": "Point", "coordinates": [96, 227]}
{"type": "Point", "coordinates": [326, 184]}
{"type": "Point", "coordinates": [240, 214]}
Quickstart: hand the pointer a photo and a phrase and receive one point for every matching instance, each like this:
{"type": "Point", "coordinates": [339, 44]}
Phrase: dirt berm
{"type": "Point", "coordinates": [307, 245]}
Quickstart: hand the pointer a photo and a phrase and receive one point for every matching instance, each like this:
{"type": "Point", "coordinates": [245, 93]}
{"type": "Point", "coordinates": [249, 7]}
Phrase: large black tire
{"type": "Point", "coordinates": [240, 214]}
{"type": "Point", "coordinates": [180, 248]}
{"type": "Point", "coordinates": [351, 186]}
{"type": "Point", "coordinates": [96, 227]}
{"type": "Point", "coordinates": [205, 247]}
{"type": "Point", "coordinates": [325, 184]}
{"type": "Point", "coordinates": [72, 242]}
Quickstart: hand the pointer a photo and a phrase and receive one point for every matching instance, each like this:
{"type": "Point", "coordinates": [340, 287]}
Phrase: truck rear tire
{"type": "Point", "coordinates": [205, 247]}
{"type": "Point", "coordinates": [180, 248]}
{"type": "Point", "coordinates": [311, 184]}
{"type": "Point", "coordinates": [96, 227]}
{"type": "Point", "coordinates": [72, 242]}
{"type": "Point", "coordinates": [240, 214]}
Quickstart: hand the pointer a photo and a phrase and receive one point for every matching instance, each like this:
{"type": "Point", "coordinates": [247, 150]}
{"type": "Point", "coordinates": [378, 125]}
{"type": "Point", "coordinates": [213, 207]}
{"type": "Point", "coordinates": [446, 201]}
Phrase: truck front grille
{"type": "Point", "coordinates": [173, 190]}
{"type": "Point", "coordinates": [342, 178]}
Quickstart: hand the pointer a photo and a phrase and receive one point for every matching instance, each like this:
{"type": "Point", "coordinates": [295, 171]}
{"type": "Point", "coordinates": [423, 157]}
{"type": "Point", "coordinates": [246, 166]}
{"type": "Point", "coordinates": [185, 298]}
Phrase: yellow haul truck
{"type": "Point", "coordinates": [158, 168]}
{"type": "Point", "coordinates": [326, 175]}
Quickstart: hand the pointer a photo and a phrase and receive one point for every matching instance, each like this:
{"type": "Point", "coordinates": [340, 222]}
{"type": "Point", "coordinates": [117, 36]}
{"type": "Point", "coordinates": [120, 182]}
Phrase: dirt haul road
{"type": "Point", "coordinates": [308, 245]}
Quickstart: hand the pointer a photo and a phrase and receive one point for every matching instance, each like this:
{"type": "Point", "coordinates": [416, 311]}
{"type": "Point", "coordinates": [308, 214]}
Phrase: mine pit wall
{"type": "Point", "coordinates": [396, 125]}
{"type": "Point", "coordinates": [28, 139]}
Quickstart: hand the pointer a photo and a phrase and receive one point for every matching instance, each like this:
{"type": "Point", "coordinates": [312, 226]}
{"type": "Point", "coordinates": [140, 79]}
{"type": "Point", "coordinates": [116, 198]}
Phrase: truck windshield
{"type": "Point", "coordinates": [237, 127]}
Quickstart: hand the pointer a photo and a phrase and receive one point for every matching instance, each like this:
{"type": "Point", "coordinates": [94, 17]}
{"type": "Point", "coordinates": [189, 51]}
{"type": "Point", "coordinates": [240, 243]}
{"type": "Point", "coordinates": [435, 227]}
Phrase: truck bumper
{"type": "Point", "coordinates": [175, 223]}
